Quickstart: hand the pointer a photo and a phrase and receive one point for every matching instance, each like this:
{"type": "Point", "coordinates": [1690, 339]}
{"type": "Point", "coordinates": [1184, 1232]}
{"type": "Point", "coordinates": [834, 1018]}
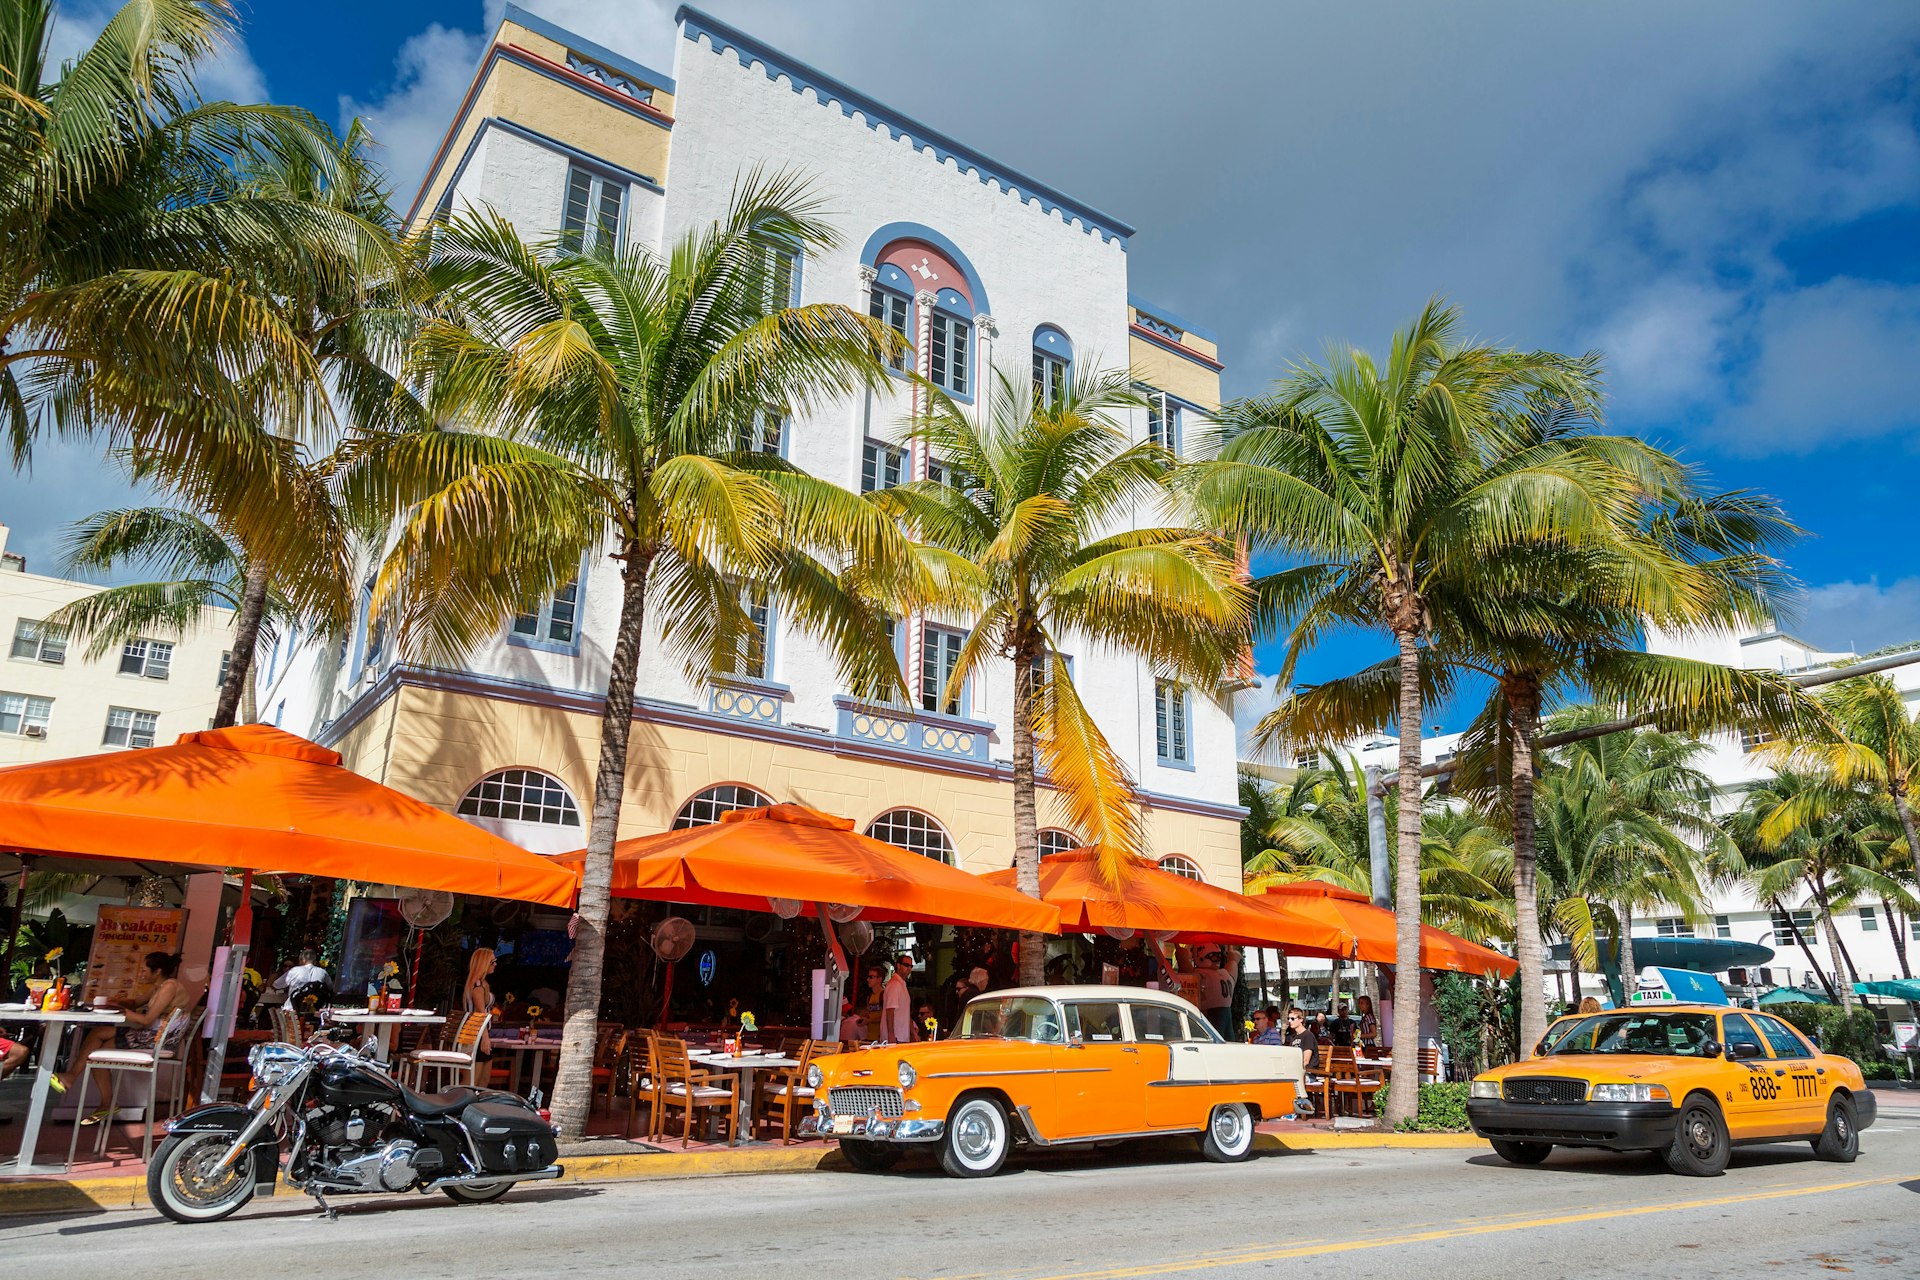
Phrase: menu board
{"type": "Point", "coordinates": [122, 938]}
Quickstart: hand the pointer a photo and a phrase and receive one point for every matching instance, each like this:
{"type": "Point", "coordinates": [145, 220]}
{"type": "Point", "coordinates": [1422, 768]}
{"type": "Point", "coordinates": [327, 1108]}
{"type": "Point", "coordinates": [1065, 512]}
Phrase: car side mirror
{"type": "Point", "coordinates": [1540, 1050]}
{"type": "Point", "coordinates": [1742, 1051]}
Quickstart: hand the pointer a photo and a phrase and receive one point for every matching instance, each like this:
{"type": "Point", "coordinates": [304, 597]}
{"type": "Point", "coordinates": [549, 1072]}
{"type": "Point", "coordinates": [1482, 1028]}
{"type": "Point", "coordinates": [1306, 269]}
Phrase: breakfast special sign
{"type": "Point", "coordinates": [117, 963]}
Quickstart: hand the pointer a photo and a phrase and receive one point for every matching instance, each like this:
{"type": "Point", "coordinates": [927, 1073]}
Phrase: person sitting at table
{"type": "Point", "coordinates": [853, 1023]}
{"type": "Point", "coordinates": [1266, 1029]}
{"type": "Point", "coordinates": [477, 997]}
{"type": "Point", "coordinates": [141, 1029]}
{"type": "Point", "coordinates": [13, 1056]}
{"type": "Point", "coordinates": [1366, 1025]}
{"type": "Point", "coordinates": [1340, 1030]}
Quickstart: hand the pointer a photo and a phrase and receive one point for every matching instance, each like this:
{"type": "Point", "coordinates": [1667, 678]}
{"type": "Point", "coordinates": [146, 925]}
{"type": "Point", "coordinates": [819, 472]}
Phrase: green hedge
{"type": "Point", "coordinates": [1851, 1035]}
{"type": "Point", "coordinates": [1443, 1109]}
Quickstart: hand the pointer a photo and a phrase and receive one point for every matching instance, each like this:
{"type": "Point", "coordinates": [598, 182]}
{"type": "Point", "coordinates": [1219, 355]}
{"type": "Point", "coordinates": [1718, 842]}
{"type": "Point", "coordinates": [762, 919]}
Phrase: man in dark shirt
{"type": "Point", "coordinates": [1340, 1030]}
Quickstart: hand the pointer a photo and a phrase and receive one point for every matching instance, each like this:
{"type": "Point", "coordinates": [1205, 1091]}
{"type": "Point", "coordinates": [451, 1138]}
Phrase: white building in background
{"type": "Point", "coordinates": [55, 701]}
{"type": "Point", "coordinates": [980, 267]}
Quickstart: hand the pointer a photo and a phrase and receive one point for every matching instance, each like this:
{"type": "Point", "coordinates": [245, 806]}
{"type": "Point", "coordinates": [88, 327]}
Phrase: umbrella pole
{"type": "Point", "coordinates": [836, 974]}
{"type": "Point", "coordinates": [238, 938]}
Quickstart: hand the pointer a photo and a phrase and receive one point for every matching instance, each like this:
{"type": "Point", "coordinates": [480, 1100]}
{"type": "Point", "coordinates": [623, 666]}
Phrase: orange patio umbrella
{"type": "Point", "coordinates": [1156, 901]}
{"type": "Point", "coordinates": [256, 798]}
{"type": "Point", "coordinates": [788, 858]}
{"type": "Point", "coordinates": [1373, 929]}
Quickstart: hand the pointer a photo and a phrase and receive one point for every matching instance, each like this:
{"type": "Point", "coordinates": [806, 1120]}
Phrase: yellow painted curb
{"type": "Point", "coordinates": [84, 1195]}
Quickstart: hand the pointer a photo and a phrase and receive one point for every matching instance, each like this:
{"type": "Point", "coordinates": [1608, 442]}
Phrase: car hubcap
{"type": "Point", "coordinates": [974, 1134]}
{"type": "Point", "coordinates": [1840, 1126]}
{"type": "Point", "coordinates": [1700, 1135]}
{"type": "Point", "coordinates": [1227, 1128]}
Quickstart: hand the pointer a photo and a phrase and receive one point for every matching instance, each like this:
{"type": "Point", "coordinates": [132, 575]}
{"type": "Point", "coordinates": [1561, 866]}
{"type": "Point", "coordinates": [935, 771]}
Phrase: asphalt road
{"type": "Point", "coordinates": [1098, 1216]}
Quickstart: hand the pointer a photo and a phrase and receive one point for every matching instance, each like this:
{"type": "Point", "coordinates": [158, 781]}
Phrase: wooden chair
{"type": "Point", "coordinates": [785, 1093]}
{"type": "Point", "coordinates": [1319, 1080]}
{"type": "Point", "coordinates": [678, 1083]}
{"type": "Point", "coordinates": [636, 1071]}
{"type": "Point", "coordinates": [1350, 1080]}
{"type": "Point", "coordinates": [460, 1058]}
{"type": "Point", "coordinates": [287, 1026]}
{"type": "Point", "coordinates": [1429, 1069]}
{"type": "Point", "coordinates": [609, 1053]}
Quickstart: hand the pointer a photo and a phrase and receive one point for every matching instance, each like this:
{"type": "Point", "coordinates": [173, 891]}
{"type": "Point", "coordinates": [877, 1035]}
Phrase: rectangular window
{"type": "Point", "coordinates": [1049, 378]}
{"type": "Point", "coordinates": [1913, 927]}
{"type": "Point", "coordinates": [882, 466]}
{"type": "Point", "coordinates": [939, 656]}
{"type": "Point", "coordinates": [1163, 420]}
{"type": "Point", "coordinates": [948, 338]}
{"type": "Point", "coordinates": [1722, 927]}
{"type": "Point", "coordinates": [1869, 922]}
{"type": "Point", "coordinates": [129, 728]}
{"type": "Point", "coordinates": [940, 471]}
{"type": "Point", "coordinates": [152, 659]}
{"type": "Point", "coordinates": [1751, 738]}
{"type": "Point", "coordinates": [22, 716]}
{"type": "Point", "coordinates": [37, 642]}
{"type": "Point", "coordinates": [761, 433]}
{"type": "Point", "coordinates": [226, 665]}
{"type": "Point", "coordinates": [555, 620]}
{"type": "Point", "coordinates": [752, 650]}
{"type": "Point", "coordinates": [890, 309]}
{"type": "Point", "coordinates": [1783, 932]}
{"type": "Point", "coordinates": [1307, 760]}
{"type": "Point", "coordinates": [591, 218]}
{"type": "Point", "coordinates": [1170, 722]}
{"type": "Point", "coordinates": [1672, 927]}
{"type": "Point", "coordinates": [783, 278]}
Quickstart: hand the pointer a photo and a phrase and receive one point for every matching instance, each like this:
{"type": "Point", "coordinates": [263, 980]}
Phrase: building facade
{"type": "Point", "coordinates": [55, 701]}
{"type": "Point", "coordinates": [981, 268]}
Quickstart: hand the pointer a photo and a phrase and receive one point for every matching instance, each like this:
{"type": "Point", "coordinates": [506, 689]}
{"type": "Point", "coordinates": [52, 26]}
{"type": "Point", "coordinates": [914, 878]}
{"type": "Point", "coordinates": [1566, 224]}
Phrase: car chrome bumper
{"type": "Point", "coordinates": [873, 1129]}
{"type": "Point", "coordinates": [1620, 1126]}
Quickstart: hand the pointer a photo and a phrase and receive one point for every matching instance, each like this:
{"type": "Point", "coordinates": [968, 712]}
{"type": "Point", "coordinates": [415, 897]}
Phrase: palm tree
{"type": "Point", "coordinates": [601, 396]}
{"type": "Point", "coordinates": [1391, 487]}
{"type": "Point", "coordinates": [1806, 832]}
{"type": "Point", "coordinates": [1877, 745]}
{"type": "Point", "coordinates": [1027, 529]}
{"type": "Point", "coordinates": [137, 236]}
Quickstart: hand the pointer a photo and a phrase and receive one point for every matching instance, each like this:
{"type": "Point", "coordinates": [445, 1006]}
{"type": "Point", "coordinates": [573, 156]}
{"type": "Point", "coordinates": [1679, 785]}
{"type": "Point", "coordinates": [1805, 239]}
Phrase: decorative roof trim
{"type": "Point", "coordinates": [585, 84]}
{"type": "Point", "coordinates": [828, 90]}
{"type": "Point", "coordinates": [1161, 340]}
{"type": "Point", "coordinates": [579, 44]}
{"type": "Point", "coordinates": [1138, 303]}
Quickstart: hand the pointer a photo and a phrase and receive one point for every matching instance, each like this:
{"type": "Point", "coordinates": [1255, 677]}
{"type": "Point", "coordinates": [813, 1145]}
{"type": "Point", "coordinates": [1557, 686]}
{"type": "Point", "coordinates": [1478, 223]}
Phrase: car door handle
{"type": "Point", "coordinates": [1779, 1071]}
{"type": "Point", "coordinates": [1127, 1048]}
{"type": "Point", "coordinates": [1189, 1048]}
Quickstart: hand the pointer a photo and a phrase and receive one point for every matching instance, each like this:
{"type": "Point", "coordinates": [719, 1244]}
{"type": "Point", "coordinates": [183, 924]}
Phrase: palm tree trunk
{"type": "Point", "coordinates": [1403, 1103]}
{"type": "Point", "coordinates": [1286, 980]}
{"type": "Point", "coordinates": [246, 639]}
{"type": "Point", "coordinates": [1841, 969]}
{"type": "Point", "coordinates": [1629, 971]}
{"type": "Point", "coordinates": [1895, 929]}
{"type": "Point", "coordinates": [1523, 718]}
{"type": "Point", "coordinates": [1805, 950]}
{"type": "Point", "coordinates": [1026, 818]}
{"type": "Point", "coordinates": [1912, 828]}
{"type": "Point", "coordinates": [573, 1076]}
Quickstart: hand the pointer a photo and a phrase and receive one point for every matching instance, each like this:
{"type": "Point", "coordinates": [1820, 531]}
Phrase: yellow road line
{"type": "Point", "coordinates": [1212, 1261]}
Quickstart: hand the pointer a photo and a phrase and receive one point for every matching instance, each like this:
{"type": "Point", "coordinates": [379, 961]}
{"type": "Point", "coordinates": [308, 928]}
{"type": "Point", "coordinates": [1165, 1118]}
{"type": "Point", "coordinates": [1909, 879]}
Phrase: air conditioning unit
{"type": "Point", "coordinates": [35, 731]}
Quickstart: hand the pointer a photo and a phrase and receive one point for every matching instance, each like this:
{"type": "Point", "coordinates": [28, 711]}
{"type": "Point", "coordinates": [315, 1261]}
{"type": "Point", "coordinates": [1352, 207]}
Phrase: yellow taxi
{"type": "Point", "coordinates": [1051, 1067]}
{"type": "Point", "coordinates": [1689, 1081]}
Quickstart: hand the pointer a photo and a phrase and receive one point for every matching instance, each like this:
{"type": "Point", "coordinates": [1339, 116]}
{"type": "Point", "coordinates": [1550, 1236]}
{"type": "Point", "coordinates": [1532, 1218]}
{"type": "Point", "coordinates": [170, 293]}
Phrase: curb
{"type": "Point", "coordinates": [94, 1195]}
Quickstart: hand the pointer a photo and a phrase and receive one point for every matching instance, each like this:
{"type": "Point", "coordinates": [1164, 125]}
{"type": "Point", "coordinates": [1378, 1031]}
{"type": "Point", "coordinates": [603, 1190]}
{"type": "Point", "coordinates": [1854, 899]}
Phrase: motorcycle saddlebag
{"type": "Point", "coordinates": [509, 1137]}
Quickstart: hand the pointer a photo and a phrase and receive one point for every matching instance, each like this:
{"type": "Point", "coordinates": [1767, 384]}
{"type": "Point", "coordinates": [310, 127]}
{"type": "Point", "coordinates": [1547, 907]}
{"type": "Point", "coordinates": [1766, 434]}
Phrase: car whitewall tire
{"type": "Point", "coordinates": [1228, 1136]}
{"type": "Point", "coordinates": [976, 1140]}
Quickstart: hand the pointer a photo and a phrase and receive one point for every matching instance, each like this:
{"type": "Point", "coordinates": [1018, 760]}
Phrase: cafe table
{"type": "Point", "coordinates": [56, 1024]}
{"type": "Point", "coordinates": [383, 1024]}
{"type": "Point", "coordinates": [520, 1048]}
{"type": "Point", "coordinates": [745, 1064]}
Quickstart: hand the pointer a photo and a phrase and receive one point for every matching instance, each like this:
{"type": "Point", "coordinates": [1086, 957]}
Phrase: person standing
{"type": "Point", "coordinates": [896, 1005]}
{"type": "Point", "coordinates": [1367, 1026]}
{"type": "Point", "coordinates": [1219, 972]}
{"type": "Point", "coordinates": [477, 997]}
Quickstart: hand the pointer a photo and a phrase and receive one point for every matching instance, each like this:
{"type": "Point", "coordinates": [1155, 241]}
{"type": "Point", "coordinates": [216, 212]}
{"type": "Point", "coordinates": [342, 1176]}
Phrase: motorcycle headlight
{"type": "Point", "coordinates": [907, 1075]}
{"type": "Point", "coordinates": [1485, 1089]}
{"type": "Point", "coordinates": [273, 1063]}
{"type": "Point", "coordinates": [814, 1077]}
{"type": "Point", "coordinates": [1630, 1093]}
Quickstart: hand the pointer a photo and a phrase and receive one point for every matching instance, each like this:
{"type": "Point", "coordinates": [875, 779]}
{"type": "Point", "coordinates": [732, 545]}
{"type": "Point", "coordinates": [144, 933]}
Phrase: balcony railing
{"type": "Point", "coordinates": [908, 729]}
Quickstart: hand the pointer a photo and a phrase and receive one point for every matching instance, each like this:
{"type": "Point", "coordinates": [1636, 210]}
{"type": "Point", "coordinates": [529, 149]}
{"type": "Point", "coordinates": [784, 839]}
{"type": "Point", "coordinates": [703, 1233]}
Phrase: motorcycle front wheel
{"type": "Point", "coordinates": [183, 1184]}
{"type": "Point", "coordinates": [478, 1192]}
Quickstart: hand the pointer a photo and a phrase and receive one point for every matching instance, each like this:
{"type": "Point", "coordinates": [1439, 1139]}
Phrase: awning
{"type": "Point", "coordinates": [1907, 989]}
{"type": "Point", "coordinates": [1791, 995]}
{"type": "Point", "coordinates": [1375, 930]}
{"type": "Point", "coordinates": [758, 859]}
{"type": "Point", "coordinates": [1152, 900]}
{"type": "Point", "coordinates": [256, 798]}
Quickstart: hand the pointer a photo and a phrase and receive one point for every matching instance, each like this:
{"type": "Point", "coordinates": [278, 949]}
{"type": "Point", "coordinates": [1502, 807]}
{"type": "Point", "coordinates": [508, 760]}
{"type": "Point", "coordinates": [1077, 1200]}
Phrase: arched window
{"type": "Point", "coordinates": [1057, 840]}
{"type": "Point", "coordinates": [908, 268]}
{"type": "Point", "coordinates": [706, 808]}
{"type": "Point", "coordinates": [521, 795]}
{"type": "Point", "coordinates": [913, 831]}
{"type": "Point", "coordinates": [1052, 364]}
{"type": "Point", "coordinates": [1181, 865]}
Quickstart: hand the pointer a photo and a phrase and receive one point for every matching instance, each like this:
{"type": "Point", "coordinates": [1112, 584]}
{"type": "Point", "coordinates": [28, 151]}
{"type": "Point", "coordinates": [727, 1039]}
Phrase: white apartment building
{"type": "Point", "coordinates": [55, 701]}
{"type": "Point", "coordinates": [980, 267]}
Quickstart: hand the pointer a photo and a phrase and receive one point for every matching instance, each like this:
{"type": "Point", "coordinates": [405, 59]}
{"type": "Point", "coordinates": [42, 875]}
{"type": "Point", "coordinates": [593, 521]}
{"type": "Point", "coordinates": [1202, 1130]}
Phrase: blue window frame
{"type": "Point", "coordinates": [753, 648]}
{"type": "Point", "coordinates": [764, 432]}
{"type": "Point", "coordinates": [894, 310]}
{"type": "Point", "coordinates": [949, 349]}
{"type": "Point", "coordinates": [939, 656]}
{"type": "Point", "coordinates": [553, 625]}
{"type": "Point", "coordinates": [1172, 739]}
{"type": "Point", "coordinates": [1163, 418]}
{"type": "Point", "coordinates": [591, 216]}
{"type": "Point", "coordinates": [882, 466]}
{"type": "Point", "coordinates": [1052, 365]}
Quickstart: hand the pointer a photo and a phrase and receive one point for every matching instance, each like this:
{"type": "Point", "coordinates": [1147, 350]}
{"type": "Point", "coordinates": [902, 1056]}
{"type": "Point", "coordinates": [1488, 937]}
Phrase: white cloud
{"type": "Point", "coordinates": [1667, 347]}
{"type": "Point", "coordinates": [1250, 706]}
{"type": "Point", "coordinates": [1863, 616]}
{"type": "Point", "coordinates": [230, 75]}
{"type": "Point", "coordinates": [432, 71]}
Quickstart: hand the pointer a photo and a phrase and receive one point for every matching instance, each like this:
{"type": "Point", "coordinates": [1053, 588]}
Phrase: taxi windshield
{"type": "Point", "coordinates": [1011, 1018]}
{"type": "Point", "coordinates": [1680, 1035]}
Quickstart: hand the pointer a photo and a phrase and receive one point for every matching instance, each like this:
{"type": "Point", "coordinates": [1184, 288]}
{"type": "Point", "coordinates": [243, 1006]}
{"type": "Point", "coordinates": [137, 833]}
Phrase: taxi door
{"type": "Point", "coordinates": [1099, 1084]}
{"type": "Point", "coordinates": [1750, 1094]}
{"type": "Point", "coordinates": [1803, 1084]}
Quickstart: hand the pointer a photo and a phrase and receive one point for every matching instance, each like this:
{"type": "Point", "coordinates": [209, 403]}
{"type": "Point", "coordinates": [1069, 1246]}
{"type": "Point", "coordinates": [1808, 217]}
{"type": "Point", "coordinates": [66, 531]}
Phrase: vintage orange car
{"type": "Point", "coordinates": [1050, 1067]}
{"type": "Point", "coordinates": [1688, 1081]}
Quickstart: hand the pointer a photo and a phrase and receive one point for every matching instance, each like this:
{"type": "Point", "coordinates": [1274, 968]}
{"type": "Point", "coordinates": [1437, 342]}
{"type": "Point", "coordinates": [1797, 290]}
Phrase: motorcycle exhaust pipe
{"type": "Point", "coordinates": [547, 1174]}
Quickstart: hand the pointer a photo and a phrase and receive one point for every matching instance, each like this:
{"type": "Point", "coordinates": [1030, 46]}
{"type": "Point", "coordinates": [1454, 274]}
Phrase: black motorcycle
{"type": "Point", "coordinates": [339, 1123]}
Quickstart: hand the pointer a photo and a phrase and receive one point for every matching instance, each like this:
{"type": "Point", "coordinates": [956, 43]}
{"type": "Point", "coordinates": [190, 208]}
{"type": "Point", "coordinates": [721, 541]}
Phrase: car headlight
{"type": "Point", "coordinates": [1485, 1089]}
{"type": "Point", "coordinates": [1630, 1093]}
{"type": "Point", "coordinates": [907, 1075]}
{"type": "Point", "coordinates": [814, 1078]}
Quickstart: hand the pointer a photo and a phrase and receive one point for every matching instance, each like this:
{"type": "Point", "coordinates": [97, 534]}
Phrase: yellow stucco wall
{"type": "Point", "coordinates": [1158, 367]}
{"type": "Point", "coordinates": [435, 745]}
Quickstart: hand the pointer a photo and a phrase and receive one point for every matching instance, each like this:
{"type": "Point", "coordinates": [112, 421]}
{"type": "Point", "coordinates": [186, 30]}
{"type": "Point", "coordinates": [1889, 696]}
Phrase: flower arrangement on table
{"type": "Point", "coordinates": [1247, 1026]}
{"type": "Point", "coordinates": [747, 1022]}
{"type": "Point", "coordinates": [933, 1028]}
{"type": "Point", "coordinates": [532, 1032]}
{"type": "Point", "coordinates": [53, 961]}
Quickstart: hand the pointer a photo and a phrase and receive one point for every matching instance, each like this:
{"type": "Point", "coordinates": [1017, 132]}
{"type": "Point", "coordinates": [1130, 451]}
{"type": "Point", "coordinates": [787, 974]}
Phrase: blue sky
{"type": "Point", "coordinates": [1724, 198]}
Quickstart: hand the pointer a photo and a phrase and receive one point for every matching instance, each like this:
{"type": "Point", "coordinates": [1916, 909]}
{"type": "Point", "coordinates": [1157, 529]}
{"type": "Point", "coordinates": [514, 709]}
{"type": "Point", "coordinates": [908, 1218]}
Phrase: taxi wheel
{"type": "Point", "coordinates": [977, 1139]}
{"type": "Point", "coordinates": [1521, 1152]}
{"type": "Point", "coordinates": [1228, 1136]}
{"type": "Point", "coordinates": [869, 1157]}
{"type": "Point", "coordinates": [1840, 1140]}
{"type": "Point", "coordinates": [1700, 1143]}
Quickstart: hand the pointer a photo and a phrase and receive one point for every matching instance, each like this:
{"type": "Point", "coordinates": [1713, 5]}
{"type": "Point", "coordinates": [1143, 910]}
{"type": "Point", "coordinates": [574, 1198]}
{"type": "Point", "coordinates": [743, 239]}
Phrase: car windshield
{"type": "Point", "coordinates": [1011, 1018]}
{"type": "Point", "coordinates": [1638, 1032]}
